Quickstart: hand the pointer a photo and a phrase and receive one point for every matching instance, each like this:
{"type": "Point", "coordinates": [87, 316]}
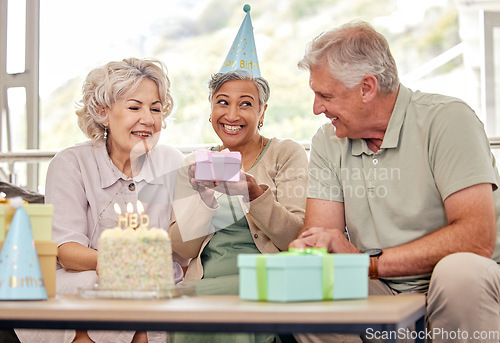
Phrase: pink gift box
{"type": "Point", "coordinates": [222, 165]}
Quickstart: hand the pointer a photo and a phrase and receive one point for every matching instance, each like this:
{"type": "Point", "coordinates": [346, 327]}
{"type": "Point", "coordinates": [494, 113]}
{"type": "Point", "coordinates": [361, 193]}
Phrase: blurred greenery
{"type": "Point", "coordinates": [192, 37]}
{"type": "Point", "coordinates": [193, 47]}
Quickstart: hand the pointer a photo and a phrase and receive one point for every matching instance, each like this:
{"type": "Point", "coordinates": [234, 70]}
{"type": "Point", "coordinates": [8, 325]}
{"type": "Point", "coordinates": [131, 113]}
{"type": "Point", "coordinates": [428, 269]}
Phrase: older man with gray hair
{"type": "Point", "coordinates": [410, 177]}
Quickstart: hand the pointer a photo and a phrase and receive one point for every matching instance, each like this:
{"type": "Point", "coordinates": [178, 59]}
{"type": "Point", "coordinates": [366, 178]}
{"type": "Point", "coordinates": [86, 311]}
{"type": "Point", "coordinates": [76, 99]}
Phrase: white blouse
{"type": "Point", "coordinates": [83, 185]}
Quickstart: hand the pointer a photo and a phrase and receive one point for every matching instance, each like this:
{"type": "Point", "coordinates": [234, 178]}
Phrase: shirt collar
{"type": "Point", "coordinates": [110, 174]}
{"type": "Point", "coordinates": [150, 171]}
{"type": "Point", "coordinates": [392, 133]}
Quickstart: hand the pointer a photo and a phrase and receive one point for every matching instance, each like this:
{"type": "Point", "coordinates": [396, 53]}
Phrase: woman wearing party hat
{"type": "Point", "coordinates": [261, 213]}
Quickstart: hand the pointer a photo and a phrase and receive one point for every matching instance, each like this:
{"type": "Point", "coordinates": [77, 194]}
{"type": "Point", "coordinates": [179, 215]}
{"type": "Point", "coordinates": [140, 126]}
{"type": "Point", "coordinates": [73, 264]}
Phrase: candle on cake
{"type": "Point", "coordinates": [133, 256]}
{"type": "Point", "coordinates": [132, 219]}
{"type": "Point", "coordinates": [132, 216]}
{"type": "Point", "coordinates": [143, 218]}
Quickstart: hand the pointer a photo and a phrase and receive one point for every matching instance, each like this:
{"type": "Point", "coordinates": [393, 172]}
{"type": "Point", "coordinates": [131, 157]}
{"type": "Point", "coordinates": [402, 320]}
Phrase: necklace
{"type": "Point", "coordinates": [100, 217]}
{"type": "Point", "coordinates": [118, 174]}
{"type": "Point", "coordinates": [262, 146]}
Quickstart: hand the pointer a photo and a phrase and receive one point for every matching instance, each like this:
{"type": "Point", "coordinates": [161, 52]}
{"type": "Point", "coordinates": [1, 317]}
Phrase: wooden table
{"type": "Point", "coordinates": [218, 314]}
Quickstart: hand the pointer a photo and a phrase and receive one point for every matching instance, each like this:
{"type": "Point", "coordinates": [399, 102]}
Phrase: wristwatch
{"type": "Point", "coordinates": [374, 256]}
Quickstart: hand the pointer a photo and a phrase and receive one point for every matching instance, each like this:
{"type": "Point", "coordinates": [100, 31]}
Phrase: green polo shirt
{"type": "Point", "coordinates": [434, 146]}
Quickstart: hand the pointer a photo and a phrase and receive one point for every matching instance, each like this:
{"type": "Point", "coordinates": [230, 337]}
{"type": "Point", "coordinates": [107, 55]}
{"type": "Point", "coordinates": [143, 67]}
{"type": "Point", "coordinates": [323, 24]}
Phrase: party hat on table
{"type": "Point", "coordinates": [242, 54]}
{"type": "Point", "coordinates": [20, 273]}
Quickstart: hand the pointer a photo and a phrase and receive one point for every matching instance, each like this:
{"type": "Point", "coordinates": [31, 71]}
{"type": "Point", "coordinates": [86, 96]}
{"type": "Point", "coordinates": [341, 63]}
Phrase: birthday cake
{"type": "Point", "coordinates": [139, 259]}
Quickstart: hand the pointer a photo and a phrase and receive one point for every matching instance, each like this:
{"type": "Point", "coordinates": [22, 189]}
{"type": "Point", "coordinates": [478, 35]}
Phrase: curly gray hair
{"type": "Point", "coordinates": [104, 85]}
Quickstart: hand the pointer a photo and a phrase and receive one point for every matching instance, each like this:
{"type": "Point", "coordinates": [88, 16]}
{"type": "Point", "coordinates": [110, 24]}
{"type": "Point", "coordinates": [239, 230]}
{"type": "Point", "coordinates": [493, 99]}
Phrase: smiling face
{"type": "Point", "coordinates": [235, 114]}
{"type": "Point", "coordinates": [133, 119]}
{"type": "Point", "coordinates": [344, 107]}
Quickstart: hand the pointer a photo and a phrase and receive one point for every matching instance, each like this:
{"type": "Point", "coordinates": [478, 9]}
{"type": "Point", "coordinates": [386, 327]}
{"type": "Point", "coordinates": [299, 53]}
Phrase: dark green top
{"type": "Point", "coordinates": [233, 237]}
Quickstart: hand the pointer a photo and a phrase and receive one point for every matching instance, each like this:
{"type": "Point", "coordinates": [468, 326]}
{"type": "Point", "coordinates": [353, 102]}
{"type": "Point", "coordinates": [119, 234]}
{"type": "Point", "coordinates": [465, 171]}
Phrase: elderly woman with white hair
{"type": "Point", "coordinates": [124, 107]}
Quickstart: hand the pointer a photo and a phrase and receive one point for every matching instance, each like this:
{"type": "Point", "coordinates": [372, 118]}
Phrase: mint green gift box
{"type": "Point", "coordinates": [303, 275]}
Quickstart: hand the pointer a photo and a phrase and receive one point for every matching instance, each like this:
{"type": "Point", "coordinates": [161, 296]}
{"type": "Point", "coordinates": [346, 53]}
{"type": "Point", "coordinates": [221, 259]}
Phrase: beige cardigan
{"type": "Point", "coordinates": [274, 218]}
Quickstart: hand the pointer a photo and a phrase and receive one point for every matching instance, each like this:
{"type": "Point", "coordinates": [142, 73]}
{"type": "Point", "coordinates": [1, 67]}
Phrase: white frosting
{"type": "Point", "coordinates": [118, 232]}
{"type": "Point", "coordinates": [131, 259]}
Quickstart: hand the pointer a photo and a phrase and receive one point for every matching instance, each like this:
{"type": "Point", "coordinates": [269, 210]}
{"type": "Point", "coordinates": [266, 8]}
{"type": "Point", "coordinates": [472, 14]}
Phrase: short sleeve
{"type": "Point", "coordinates": [66, 192]}
{"type": "Point", "coordinates": [459, 151]}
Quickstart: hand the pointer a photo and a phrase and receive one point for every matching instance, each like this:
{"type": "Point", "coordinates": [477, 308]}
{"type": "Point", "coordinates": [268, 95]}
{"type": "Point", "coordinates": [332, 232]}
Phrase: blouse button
{"type": "Point", "coordinates": [375, 161]}
{"type": "Point", "coordinates": [256, 236]}
{"type": "Point", "coordinates": [131, 187]}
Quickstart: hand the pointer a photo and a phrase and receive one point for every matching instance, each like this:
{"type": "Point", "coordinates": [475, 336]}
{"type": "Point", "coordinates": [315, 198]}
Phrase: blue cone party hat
{"type": "Point", "coordinates": [20, 273]}
{"type": "Point", "coordinates": [243, 54]}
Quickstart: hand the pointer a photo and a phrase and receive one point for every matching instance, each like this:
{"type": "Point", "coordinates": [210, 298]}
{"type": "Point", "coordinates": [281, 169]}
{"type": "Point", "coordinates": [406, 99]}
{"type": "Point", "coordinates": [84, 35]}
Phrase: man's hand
{"type": "Point", "coordinates": [333, 240]}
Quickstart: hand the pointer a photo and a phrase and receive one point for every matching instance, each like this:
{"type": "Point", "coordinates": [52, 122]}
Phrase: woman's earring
{"type": "Point", "coordinates": [261, 124]}
{"type": "Point", "coordinates": [105, 137]}
{"type": "Point", "coordinates": [210, 119]}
